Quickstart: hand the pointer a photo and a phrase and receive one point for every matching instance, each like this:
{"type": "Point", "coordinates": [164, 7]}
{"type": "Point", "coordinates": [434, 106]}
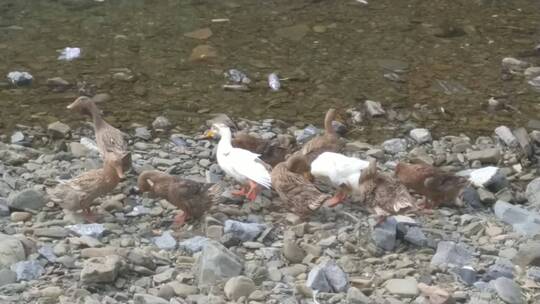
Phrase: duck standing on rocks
{"type": "Point", "coordinates": [295, 190]}
{"type": "Point", "coordinates": [270, 151]}
{"type": "Point", "coordinates": [110, 141]}
{"type": "Point", "coordinates": [244, 166]}
{"type": "Point", "coordinates": [383, 194]}
{"type": "Point", "coordinates": [434, 184]}
{"type": "Point", "coordinates": [80, 192]}
{"type": "Point", "coordinates": [192, 197]}
{"type": "Point", "coordinates": [328, 142]}
{"type": "Point", "coordinates": [343, 172]}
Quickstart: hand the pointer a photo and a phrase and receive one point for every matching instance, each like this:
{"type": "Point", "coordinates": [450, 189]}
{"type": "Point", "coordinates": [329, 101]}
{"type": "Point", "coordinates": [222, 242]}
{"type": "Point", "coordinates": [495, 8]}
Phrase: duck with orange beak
{"type": "Point", "coordinates": [244, 166]}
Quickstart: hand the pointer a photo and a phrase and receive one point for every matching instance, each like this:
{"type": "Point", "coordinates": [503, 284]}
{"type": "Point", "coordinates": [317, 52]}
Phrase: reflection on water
{"type": "Point", "coordinates": [414, 56]}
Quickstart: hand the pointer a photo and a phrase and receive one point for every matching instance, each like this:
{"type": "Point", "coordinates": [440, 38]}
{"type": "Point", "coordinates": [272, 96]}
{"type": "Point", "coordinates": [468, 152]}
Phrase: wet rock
{"type": "Point", "coordinates": [508, 290]}
{"type": "Point", "coordinates": [243, 231]}
{"type": "Point", "coordinates": [420, 135]}
{"type": "Point", "coordinates": [501, 268]}
{"type": "Point", "coordinates": [514, 65]}
{"type": "Point", "coordinates": [238, 287]}
{"type": "Point", "coordinates": [94, 230]}
{"type": "Point", "coordinates": [58, 129]}
{"type": "Point", "coordinates": [402, 287]}
{"type": "Point", "coordinates": [531, 72]}
{"type": "Point", "coordinates": [452, 254]}
{"type": "Point", "coordinates": [490, 155]}
{"type": "Point", "coordinates": [143, 133]}
{"type": "Point", "coordinates": [101, 269]}
{"type": "Point", "coordinates": [523, 221]}
{"type": "Point", "coordinates": [236, 76]}
{"type": "Point", "coordinates": [165, 241]}
{"type": "Point", "coordinates": [356, 296]}
{"type": "Point", "coordinates": [7, 277]}
{"type": "Point", "coordinates": [27, 270]}
{"type": "Point", "coordinates": [140, 298]}
{"type": "Point", "coordinates": [17, 137]}
{"type": "Point", "coordinates": [292, 251]}
{"type": "Point", "coordinates": [201, 34]}
{"type": "Point", "coordinates": [293, 33]}
{"type": "Point", "coordinates": [374, 108]}
{"type": "Point", "coordinates": [328, 277]}
{"type": "Point", "coordinates": [506, 135]}
{"type": "Point", "coordinates": [11, 250]}
{"type": "Point", "coordinates": [194, 244]}
{"type": "Point", "coordinates": [533, 191]}
{"type": "Point", "coordinates": [274, 82]}
{"type": "Point", "coordinates": [27, 199]}
{"type": "Point", "coordinates": [161, 123]}
{"type": "Point", "coordinates": [395, 145]}
{"type": "Point", "coordinates": [384, 235]}
{"type": "Point", "coordinates": [203, 52]}
{"type": "Point", "coordinates": [20, 78]}
{"type": "Point", "coordinates": [58, 84]}
{"type": "Point", "coordinates": [216, 263]}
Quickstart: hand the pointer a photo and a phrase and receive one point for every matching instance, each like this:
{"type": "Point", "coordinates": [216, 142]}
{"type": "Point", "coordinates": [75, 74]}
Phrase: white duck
{"type": "Point", "coordinates": [343, 172]}
{"type": "Point", "coordinates": [242, 165]}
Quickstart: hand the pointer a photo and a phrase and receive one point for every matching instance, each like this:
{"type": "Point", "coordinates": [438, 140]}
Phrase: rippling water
{"type": "Point", "coordinates": [334, 52]}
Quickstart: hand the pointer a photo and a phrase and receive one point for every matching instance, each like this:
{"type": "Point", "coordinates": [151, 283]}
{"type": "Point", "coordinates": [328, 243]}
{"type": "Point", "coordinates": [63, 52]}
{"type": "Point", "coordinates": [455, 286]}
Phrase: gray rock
{"type": "Point", "coordinates": [528, 254]}
{"type": "Point", "coordinates": [141, 298]}
{"type": "Point", "coordinates": [162, 123]}
{"type": "Point", "coordinates": [243, 231]}
{"type": "Point", "coordinates": [20, 78]}
{"type": "Point", "coordinates": [4, 208]}
{"type": "Point", "coordinates": [524, 141]}
{"type": "Point", "coordinates": [101, 269]}
{"type": "Point", "coordinates": [27, 270]}
{"type": "Point", "coordinates": [356, 296]}
{"type": "Point", "coordinates": [165, 241]}
{"type": "Point", "coordinates": [292, 251]}
{"type": "Point", "coordinates": [58, 129]}
{"type": "Point", "coordinates": [533, 191]}
{"type": "Point", "coordinates": [11, 250]}
{"type": "Point", "coordinates": [48, 253]}
{"type": "Point", "coordinates": [52, 232]}
{"type": "Point", "coordinates": [533, 273]}
{"type": "Point", "coordinates": [143, 133]}
{"type": "Point", "coordinates": [27, 199]}
{"type": "Point", "coordinates": [17, 137]}
{"type": "Point", "coordinates": [489, 177]}
{"type": "Point", "coordinates": [94, 230]}
{"type": "Point", "coordinates": [7, 277]}
{"type": "Point", "coordinates": [531, 72]}
{"type": "Point", "coordinates": [486, 197]}
{"type": "Point", "coordinates": [452, 254]}
{"type": "Point", "coordinates": [416, 236]}
{"type": "Point", "coordinates": [490, 155]}
{"type": "Point", "coordinates": [328, 277]}
{"type": "Point", "coordinates": [306, 134]}
{"type": "Point", "coordinates": [395, 145]}
{"type": "Point", "coordinates": [237, 76]}
{"type": "Point", "coordinates": [508, 290]}
{"type": "Point", "coordinates": [238, 287]}
{"type": "Point", "coordinates": [501, 268]}
{"type": "Point", "coordinates": [374, 108]}
{"type": "Point", "coordinates": [385, 234]}
{"type": "Point", "coordinates": [523, 221]}
{"type": "Point", "coordinates": [78, 149]}
{"type": "Point", "coordinates": [194, 244]}
{"type": "Point", "coordinates": [402, 287]}
{"type": "Point", "coordinates": [420, 135]}
{"type": "Point", "coordinates": [514, 65]}
{"type": "Point", "coordinates": [466, 274]}
{"type": "Point", "coordinates": [216, 263]}
{"type": "Point", "coordinates": [506, 135]}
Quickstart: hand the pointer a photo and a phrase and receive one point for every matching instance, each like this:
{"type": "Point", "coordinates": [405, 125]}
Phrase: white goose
{"type": "Point", "coordinates": [343, 172]}
{"type": "Point", "coordinates": [242, 165]}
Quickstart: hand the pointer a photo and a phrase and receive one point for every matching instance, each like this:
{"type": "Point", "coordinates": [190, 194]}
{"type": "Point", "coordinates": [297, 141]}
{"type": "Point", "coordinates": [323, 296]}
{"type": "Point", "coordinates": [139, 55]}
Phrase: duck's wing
{"type": "Point", "coordinates": [112, 140]}
{"type": "Point", "coordinates": [329, 163]}
{"type": "Point", "coordinates": [249, 165]}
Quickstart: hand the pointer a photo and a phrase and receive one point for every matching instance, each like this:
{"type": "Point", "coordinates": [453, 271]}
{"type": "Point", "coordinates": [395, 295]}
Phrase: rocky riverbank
{"type": "Point", "coordinates": [485, 252]}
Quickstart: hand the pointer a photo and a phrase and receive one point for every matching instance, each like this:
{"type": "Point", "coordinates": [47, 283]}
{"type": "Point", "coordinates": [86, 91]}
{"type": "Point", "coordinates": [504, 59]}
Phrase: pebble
{"type": "Point", "coordinates": [395, 145]}
{"type": "Point", "coordinates": [58, 129]}
{"type": "Point", "coordinates": [292, 251]}
{"type": "Point", "coordinates": [201, 34]}
{"type": "Point", "coordinates": [328, 277]}
{"type": "Point", "coordinates": [26, 199]}
{"type": "Point", "coordinates": [374, 108]}
{"type": "Point", "coordinates": [449, 252]}
{"type": "Point", "coordinates": [216, 263]}
{"type": "Point", "coordinates": [402, 287]}
{"type": "Point", "coordinates": [421, 136]}
{"type": "Point", "coordinates": [203, 52]}
{"type": "Point", "coordinates": [238, 287]}
{"type": "Point", "coordinates": [506, 135]}
{"type": "Point", "coordinates": [20, 216]}
{"type": "Point", "coordinates": [20, 78]}
{"type": "Point", "coordinates": [140, 298]}
{"type": "Point", "coordinates": [161, 123]}
{"type": "Point", "coordinates": [243, 231]}
{"type": "Point", "coordinates": [508, 290]}
{"type": "Point", "coordinates": [27, 270]}
{"type": "Point", "coordinates": [101, 269]}
{"type": "Point", "coordinates": [165, 241]}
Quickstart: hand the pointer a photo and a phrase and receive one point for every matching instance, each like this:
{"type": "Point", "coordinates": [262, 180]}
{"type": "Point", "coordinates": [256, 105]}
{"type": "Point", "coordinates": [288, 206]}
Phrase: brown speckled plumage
{"type": "Point", "coordinates": [296, 192]}
{"type": "Point", "coordinates": [192, 197]}
{"type": "Point", "coordinates": [383, 194]}
{"type": "Point", "coordinates": [435, 184]}
{"type": "Point", "coordinates": [327, 142]}
{"type": "Point", "coordinates": [271, 152]}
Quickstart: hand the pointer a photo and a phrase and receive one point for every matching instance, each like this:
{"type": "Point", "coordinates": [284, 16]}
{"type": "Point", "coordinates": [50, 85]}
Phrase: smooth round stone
{"type": "Point", "coordinates": [20, 216]}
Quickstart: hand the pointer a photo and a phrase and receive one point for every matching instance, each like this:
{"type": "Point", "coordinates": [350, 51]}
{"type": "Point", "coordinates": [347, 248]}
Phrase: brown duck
{"type": "Point", "coordinates": [192, 197]}
{"type": "Point", "coordinates": [270, 151]}
{"type": "Point", "coordinates": [80, 192]}
{"type": "Point", "coordinates": [383, 194]}
{"type": "Point", "coordinates": [290, 179]}
{"type": "Point", "coordinates": [110, 141]}
{"type": "Point", "coordinates": [434, 184]}
{"type": "Point", "coordinates": [328, 142]}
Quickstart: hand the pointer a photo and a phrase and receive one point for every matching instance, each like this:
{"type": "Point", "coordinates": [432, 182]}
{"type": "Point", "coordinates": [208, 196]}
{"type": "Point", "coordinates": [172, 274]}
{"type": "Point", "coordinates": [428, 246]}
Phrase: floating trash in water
{"type": "Point", "coordinates": [88, 143]}
{"type": "Point", "coordinates": [236, 76]}
{"type": "Point", "coordinates": [93, 230]}
{"type": "Point", "coordinates": [20, 78]}
{"type": "Point", "coordinates": [27, 270]}
{"type": "Point", "coordinates": [273, 82]}
{"type": "Point", "coordinates": [139, 210]}
{"type": "Point", "coordinates": [69, 53]}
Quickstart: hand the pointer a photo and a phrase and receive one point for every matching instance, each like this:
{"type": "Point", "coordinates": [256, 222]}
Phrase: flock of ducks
{"type": "Point", "coordinates": [255, 164]}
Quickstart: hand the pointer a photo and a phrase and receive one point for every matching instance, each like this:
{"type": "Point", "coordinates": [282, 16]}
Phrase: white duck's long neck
{"type": "Point", "coordinates": [224, 144]}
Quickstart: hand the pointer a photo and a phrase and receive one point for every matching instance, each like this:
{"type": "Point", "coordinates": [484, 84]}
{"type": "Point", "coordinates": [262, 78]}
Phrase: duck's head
{"type": "Point", "coordinates": [217, 130]}
{"type": "Point", "coordinates": [116, 164]}
{"type": "Point", "coordinates": [82, 105]}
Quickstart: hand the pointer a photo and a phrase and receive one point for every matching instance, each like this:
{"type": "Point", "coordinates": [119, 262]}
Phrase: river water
{"type": "Point", "coordinates": [446, 56]}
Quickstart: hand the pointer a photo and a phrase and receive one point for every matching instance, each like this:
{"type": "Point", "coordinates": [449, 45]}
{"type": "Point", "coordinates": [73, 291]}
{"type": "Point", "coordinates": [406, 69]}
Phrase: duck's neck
{"type": "Point", "coordinates": [96, 116]}
{"type": "Point", "coordinates": [224, 144]}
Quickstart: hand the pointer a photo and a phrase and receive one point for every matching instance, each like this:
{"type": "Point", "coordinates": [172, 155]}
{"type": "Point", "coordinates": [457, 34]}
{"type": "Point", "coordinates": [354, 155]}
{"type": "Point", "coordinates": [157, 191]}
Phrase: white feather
{"type": "Point", "coordinates": [339, 169]}
{"type": "Point", "coordinates": [240, 164]}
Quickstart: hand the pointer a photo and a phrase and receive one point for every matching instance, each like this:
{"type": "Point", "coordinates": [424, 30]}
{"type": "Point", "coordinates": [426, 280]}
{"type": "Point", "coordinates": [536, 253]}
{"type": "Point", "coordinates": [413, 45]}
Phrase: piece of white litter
{"type": "Point", "coordinates": [69, 53]}
{"type": "Point", "coordinates": [89, 144]}
{"type": "Point", "coordinates": [362, 1]}
{"type": "Point", "coordinates": [273, 82]}
{"type": "Point", "coordinates": [221, 20]}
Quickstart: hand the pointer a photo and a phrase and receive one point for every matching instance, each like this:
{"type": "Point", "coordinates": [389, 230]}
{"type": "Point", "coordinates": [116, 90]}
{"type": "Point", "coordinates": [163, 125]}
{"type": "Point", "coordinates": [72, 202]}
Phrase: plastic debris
{"type": "Point", "coordinates": [93, 230]}
{"type": "Point", "coordinates": [69, 53]}
{"type": "Point", "coordinates": [273, 82]}
{"type": "Point", "coordinates": [20, 78]}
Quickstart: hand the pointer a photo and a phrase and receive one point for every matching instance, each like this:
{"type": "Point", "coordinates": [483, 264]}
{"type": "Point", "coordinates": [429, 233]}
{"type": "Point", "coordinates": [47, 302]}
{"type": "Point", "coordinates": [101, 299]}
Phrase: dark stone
{"type": "Point", "coordinates": [385, 234]}
{"type": "Point", "coordinates": [501, 268]}
{"type": "Point", "coordinates": [466, 274]}
{"type": "Point", "coordinates": [470, 197]}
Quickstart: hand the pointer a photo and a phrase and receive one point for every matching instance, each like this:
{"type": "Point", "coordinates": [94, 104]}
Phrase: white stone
{"type": "Point", "coordinates": [420, 135]}
{"type": "Point", "coordinates": [506, 135]}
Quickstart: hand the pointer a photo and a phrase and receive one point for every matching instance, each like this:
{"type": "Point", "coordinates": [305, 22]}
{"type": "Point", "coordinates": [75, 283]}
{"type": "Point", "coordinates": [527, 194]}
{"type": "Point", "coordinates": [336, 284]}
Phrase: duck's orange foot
{"type": "Point", "coordinates": [336, 199]}
{"type": "Point", "coordinates": [241, 192]}
{"type": "Point", "coordinates": [253, 191]}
